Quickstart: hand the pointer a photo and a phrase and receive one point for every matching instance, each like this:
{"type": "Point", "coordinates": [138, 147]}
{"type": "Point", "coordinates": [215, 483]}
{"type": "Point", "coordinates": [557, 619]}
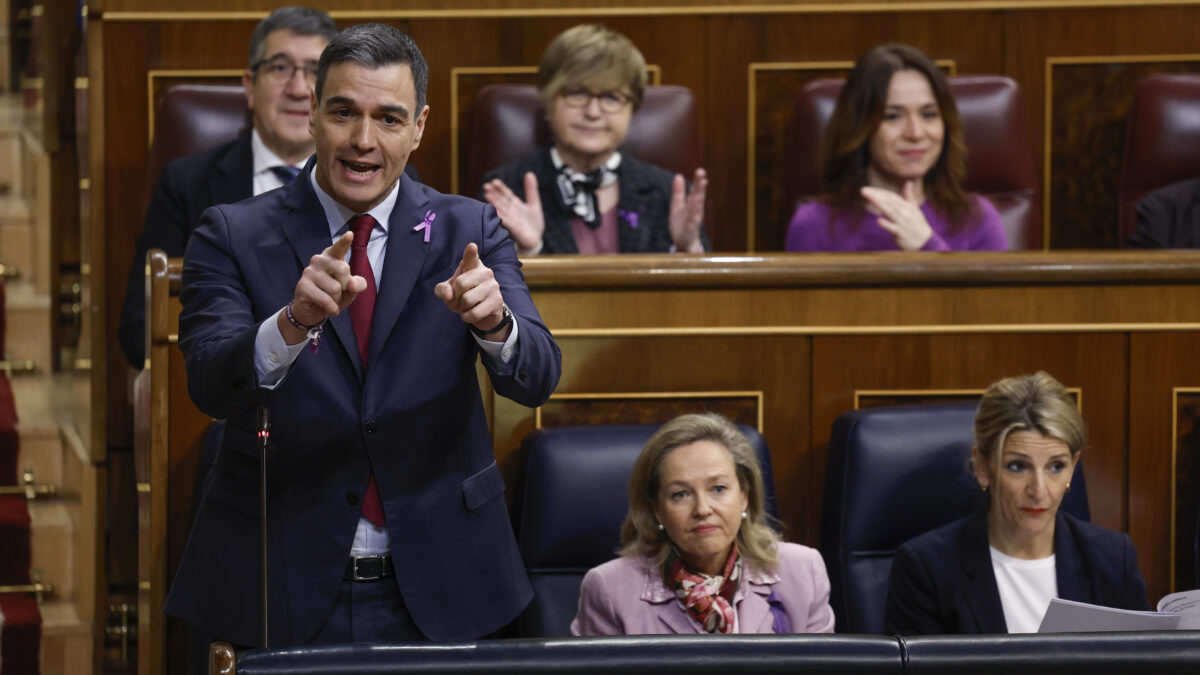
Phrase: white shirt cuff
{"type": "Point", "coordinates": [500, 354]}
{"type": "Point", "coordinates": [273, 357]}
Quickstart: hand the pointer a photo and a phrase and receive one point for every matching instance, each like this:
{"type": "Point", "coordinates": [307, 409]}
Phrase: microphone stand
{"type": "Point", "coordinates": [264, 435]}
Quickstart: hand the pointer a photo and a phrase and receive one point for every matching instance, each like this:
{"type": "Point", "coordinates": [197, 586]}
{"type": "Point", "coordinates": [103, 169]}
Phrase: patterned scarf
{"type": "Point", "coordinates": [577, 191]}
{"type": "Point", "coordinates": [708, 599]}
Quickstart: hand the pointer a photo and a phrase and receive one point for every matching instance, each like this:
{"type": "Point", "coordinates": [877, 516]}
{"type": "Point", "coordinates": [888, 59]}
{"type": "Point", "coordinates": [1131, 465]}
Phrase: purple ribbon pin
{"type": "Point", "coordinates": [426, 224]}
{"type": "Point", "coordinates": [630, 217]}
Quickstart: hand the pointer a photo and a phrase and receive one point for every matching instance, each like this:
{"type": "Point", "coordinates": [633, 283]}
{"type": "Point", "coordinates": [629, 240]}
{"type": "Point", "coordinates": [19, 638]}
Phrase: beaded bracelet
{"type": "Point", "coordinates": [314, 332]}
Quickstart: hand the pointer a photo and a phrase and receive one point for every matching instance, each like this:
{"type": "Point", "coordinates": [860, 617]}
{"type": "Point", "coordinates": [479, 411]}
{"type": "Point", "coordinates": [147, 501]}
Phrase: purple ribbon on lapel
{"type": "Point", "coordinates": [426, 224]}
{"type": "Point", "coordinates": [779, 623]}
{"type": "Point", "coordinates": [630, 217]}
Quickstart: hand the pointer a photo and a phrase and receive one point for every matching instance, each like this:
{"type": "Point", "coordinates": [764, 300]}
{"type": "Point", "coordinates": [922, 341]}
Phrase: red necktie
{"type": "Point", "coordinates": [361, 311]}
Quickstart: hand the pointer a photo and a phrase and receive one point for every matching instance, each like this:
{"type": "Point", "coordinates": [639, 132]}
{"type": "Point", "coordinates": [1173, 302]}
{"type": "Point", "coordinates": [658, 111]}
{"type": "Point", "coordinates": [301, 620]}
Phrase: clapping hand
{"type": "Point", "coordinates": [687, 213]}
{"type": "Point", "coordinates": [900, 215]}
{"type": "Point", "coordinates": [522, 218]}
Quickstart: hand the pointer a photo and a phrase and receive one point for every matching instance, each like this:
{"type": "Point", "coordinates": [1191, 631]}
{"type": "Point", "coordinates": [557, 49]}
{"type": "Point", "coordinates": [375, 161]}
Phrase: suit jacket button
{"type": "Point", "coordinates": [352, 498]}
{"type": "Point", "coordinates": [522, 373]}
{"type": "Point", "coordinates": [370, 426]}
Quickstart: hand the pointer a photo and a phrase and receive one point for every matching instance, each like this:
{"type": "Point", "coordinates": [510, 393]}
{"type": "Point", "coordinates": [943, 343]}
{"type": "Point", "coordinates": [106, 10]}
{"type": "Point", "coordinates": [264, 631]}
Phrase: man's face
{"type": "Point", "coordinates": [365, 126]}
{"type": "Point", "coordinates": [278, 94]}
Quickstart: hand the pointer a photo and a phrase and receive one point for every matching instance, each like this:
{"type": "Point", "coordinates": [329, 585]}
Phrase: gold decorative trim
{"type": "Point", "coordinates": [660, 10]}
{"type": "Point", "coordinates": [81, 83]}
{"type": "Point", "coordinates": [591, 396]}
{"type": "Point", "coordinates": [752, 125]}
{"type": "Point", "coordinates": [1175, 393]}
{"type": "Point", "coordinates": [1047, 136]}
{"type": "Point", "coordinates": [455, 73]}
{"type": "Point", "coordinates": [173, 338]}
{"type": "Point", "coordinates": [654, 70]}
{"type": "Point", "coordinates": [755, 331]}
{"type": "Point", "coordinates": [143, 488]}
{"type": "Point", "coordinates": [151, 75]}
{"type": "Point", "coordinates": [859, 394]}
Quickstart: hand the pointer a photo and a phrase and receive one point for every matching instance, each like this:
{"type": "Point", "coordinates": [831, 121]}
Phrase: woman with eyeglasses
{"type": "Point", "coordinates": [581, 195]}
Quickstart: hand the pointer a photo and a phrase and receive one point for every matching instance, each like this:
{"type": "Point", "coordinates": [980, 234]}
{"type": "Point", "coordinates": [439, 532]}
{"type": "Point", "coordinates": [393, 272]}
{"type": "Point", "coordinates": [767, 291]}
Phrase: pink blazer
{"type": "Point", "coordinates": [627, 596]}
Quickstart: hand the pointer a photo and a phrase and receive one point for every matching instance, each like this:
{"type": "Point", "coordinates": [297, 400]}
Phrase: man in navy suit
{"type": "Point", "coordinates": [386, 517]}
{"type": "Point", "coordinates": [278, 82]}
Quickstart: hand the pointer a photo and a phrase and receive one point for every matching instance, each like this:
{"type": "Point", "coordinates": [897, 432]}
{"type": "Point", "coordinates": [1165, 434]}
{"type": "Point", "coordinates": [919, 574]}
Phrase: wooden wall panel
{"type": "Point", "coordinates": [1088, 102]}
{"type": "Point", "coordinates": [1162, 437]}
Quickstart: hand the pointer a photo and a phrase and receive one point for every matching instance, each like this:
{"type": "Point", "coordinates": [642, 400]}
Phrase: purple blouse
{"type": "Point", "coordinates": [810, 231]}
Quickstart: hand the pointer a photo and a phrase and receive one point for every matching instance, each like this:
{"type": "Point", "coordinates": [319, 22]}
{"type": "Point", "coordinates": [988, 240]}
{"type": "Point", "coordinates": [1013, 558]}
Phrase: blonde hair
{"type": "Point", "coordinates": [640, 536]}
{"type": "Point", "coordinates": [587, 52]}
{"type": "Point", "coordinates": [1036, 402]}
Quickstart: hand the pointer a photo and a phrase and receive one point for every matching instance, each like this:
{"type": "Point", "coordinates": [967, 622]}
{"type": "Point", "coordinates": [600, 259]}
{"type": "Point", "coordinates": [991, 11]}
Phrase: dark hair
{"type": "Point", "coordinates": [846, 145]}
{"type": "Point", "coordinates": [299, 20]}
{"type": "Point", "coordinates": [374, 45]}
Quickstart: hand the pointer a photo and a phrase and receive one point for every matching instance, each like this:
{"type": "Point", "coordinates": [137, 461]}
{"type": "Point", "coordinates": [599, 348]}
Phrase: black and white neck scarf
{"type": "Point", "coordinates": [577, 191]}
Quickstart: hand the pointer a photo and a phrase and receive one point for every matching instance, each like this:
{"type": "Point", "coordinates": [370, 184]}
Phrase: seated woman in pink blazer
{"type": "Point", "coordinates": [697, 554]}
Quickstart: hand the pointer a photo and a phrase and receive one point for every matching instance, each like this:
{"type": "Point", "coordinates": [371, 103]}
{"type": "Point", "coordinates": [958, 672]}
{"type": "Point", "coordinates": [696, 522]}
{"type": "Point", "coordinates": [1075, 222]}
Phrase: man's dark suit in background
{"type": "Point", "coordinates": [1169, 217]}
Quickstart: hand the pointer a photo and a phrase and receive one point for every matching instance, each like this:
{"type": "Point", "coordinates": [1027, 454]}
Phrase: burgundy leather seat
{"type": "Point", "coordinates": [1000, 162]}
{"type": "Point", "coordinates": [509, 123]}
{"type": "Point", "coordinates": [1162, 132]}
{"type": "Point", "coordinates": [192, 118]}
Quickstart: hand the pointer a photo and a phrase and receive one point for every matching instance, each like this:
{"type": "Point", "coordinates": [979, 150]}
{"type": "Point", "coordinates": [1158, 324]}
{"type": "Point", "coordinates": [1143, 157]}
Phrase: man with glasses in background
{"type": "Point", "coordinates": [284, 51]}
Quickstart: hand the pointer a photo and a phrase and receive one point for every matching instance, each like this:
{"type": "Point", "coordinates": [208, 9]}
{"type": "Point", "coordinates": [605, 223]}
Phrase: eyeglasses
{"type": "Point", "coordinates": [610, 101]}
{"type": "Point", "coordinates": [281, 70]}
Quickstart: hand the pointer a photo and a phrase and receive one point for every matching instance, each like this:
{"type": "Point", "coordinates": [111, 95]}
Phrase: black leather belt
{"type": "Point", "coordinates": [370, 568]}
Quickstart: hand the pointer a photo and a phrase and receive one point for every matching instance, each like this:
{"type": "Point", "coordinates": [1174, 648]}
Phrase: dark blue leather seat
{"type": "Point", "coordinates": [894, 473]}
{"type": "Point", "coordinates": [1158, 652]}
{"type": "Point", "coordinates": [570, 505]}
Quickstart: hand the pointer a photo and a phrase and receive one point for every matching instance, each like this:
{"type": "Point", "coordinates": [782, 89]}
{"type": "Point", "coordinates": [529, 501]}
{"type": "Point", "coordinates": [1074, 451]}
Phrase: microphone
{"type": "Point", "coordinates": [264, 436]}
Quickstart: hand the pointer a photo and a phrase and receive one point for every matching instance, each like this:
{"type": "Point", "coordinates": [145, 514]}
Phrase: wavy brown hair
{"type": "Point", "coordinates": [846, 145]}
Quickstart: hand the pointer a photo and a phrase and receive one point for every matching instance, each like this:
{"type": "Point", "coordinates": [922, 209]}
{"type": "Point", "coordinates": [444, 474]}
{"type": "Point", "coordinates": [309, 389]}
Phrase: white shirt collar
{"type": "Point", "coordinates": [338, 215]}
{"type": "Point", "coordinates": [262, 156]}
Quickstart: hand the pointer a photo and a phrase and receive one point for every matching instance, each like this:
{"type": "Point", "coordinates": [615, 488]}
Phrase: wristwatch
{"type": "Point", "coordinates": [505, 320]}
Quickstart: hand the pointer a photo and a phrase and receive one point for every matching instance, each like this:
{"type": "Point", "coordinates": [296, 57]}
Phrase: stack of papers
{"type": "Point", "coordinates": [1177, 611]}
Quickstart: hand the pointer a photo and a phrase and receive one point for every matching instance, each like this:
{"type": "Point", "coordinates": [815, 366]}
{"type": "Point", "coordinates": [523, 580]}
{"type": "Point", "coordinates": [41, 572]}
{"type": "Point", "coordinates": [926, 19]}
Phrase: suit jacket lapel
{"type": "Point", "coordinates": [675, 618]}
{"type": "Point", "coordinates": [234, 180]}
{"type": "Point", "coordinates": [980, 591]}
{"type": "Point", "coordinates": [404, 260]}
{"type": "Point", "coordinates": [633, 198]}
{"type": "Point", "coordinates": [307, 230]}
{"type": "Point", "coordinates": [754, 613]}
{"type": "Point", "coordinates": [1068, 564]}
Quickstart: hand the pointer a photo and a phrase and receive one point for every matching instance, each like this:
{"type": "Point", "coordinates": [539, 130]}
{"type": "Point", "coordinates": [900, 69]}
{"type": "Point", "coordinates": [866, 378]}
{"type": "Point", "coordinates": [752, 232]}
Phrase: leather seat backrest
{"type": "Point", "coordinates": [1162, 132]}
{"type": "Point", "coordinates": [192, 118]}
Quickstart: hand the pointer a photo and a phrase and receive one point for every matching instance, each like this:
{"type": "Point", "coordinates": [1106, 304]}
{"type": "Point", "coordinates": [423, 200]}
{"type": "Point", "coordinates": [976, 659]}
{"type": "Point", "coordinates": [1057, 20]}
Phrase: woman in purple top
{"type": "Point", "coordinates": [893, 161]}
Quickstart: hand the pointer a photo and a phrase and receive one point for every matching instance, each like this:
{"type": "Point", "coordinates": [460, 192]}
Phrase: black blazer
{"type": "Point", "coordinates": [942, 581]}
{"type": "Point", "coordinates": [645, 190]}
{"type": "Point", "coordinates": [1169, 217]}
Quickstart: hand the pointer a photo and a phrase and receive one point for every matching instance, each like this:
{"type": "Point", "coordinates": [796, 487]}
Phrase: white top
{"type": "Point", "coordinates": [262, 159]}
{"type": "Point", "coordinates": [1026, 588]}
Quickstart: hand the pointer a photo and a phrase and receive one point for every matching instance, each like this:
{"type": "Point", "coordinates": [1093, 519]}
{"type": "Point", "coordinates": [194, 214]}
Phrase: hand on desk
{"type": "Point", "coordinates": [325, 288]}
{"type": "Point", "coordinates": [474, 294]}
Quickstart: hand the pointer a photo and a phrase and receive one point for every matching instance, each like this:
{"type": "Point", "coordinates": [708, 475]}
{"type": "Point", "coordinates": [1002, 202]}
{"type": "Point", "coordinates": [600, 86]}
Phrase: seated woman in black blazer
{"type": "Point", "coordinates": [580, 195]}
{"type": "Point", "coordinates": [996, 571]}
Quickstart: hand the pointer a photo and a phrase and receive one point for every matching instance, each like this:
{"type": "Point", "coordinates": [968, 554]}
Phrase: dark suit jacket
{"type": "Point", "coordinates": [187, 186]}
{"type": "Point", "coordinates": [1169, 217]}
{"type": "Point", "coordinates": [645, 189]}
{"type": "Point", "coordinates": [942, 581]}
{"type": "Point", "coordinates": [415, 418]}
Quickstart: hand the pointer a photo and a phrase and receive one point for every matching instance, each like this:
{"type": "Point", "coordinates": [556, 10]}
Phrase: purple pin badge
{"type": "Point", "coordinates": [426, 224]}
{"type": "Point", "coordinates": [630, 217]}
